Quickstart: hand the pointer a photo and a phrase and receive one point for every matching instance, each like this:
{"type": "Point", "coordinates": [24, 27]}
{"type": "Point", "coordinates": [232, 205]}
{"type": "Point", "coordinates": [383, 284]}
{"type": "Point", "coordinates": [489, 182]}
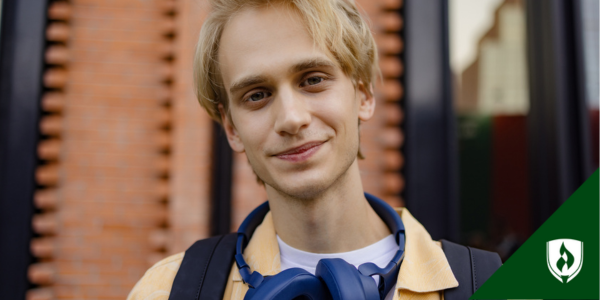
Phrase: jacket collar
{"type": "Point", "coordinates": [424, 269]}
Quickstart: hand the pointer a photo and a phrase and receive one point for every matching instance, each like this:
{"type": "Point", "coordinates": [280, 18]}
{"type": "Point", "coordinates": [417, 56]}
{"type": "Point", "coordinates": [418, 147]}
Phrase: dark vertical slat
{"type": "Point", "coordinates": [451, 150]}
{"type": "Point", "coordinates": [430, 146]}
{"type": "Point", "coordinates": [221, 182]}
{"type": "Point", "coordinates": [555, 116]}
{"type": "Point", "coordinates": [21, 65]}
{"type": "Point", "coordinates": [588, 167]}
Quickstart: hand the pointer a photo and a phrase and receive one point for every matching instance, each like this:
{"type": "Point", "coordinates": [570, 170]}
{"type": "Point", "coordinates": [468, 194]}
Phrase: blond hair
{"type": "Point", "coordinates": [335, 25]}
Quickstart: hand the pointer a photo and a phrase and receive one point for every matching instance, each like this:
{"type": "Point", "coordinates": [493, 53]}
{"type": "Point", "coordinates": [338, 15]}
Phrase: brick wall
{"type": "Point", "coordinates": [124, 178]}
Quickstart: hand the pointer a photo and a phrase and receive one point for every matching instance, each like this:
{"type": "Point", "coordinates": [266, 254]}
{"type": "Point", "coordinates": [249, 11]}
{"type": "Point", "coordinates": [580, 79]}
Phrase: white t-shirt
{"type": "Point", "coordinates": [379, 253]}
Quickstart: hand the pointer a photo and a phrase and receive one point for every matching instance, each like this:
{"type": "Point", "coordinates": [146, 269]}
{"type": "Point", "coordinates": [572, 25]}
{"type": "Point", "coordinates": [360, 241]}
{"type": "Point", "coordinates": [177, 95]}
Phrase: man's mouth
{"type": "Point", "coordinates": [300, 153]}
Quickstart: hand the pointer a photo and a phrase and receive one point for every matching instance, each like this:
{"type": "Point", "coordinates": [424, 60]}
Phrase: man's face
{"type": "Point", "coordinates": [292, 109]}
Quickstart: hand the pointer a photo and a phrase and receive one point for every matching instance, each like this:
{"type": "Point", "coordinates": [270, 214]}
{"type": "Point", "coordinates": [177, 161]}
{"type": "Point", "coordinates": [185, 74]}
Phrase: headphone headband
{"type": "Point", "coordinates": [247, 227]}
{"type": "Point", "coordinates": [388, 215]}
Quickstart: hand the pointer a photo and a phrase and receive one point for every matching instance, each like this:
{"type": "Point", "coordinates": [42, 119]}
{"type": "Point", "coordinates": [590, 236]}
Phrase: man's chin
{"type": "Point", "coordinates": [301, 189]}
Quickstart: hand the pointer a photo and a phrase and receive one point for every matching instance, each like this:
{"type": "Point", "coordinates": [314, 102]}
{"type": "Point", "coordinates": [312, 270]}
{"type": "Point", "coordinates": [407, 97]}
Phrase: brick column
{"type": "Point", "coordinates": [107, 148]}
{"type": "Point", "coordinates": [192, 137]}
{"type": "Point", "coordinates": [381, 137]}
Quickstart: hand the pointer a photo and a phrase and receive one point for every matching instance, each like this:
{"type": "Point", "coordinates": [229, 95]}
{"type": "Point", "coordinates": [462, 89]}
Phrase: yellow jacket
{"type": "Point", "coordinates": [424, 273]}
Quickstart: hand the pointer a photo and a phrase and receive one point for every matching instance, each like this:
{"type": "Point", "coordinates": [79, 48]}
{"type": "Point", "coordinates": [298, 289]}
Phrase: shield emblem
{"type": "Point", "coordinates": [564, 258]}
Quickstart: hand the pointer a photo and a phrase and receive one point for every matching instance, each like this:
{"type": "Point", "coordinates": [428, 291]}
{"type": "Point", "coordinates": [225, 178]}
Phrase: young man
{"type": "Point", "coordinates": [290, 81]}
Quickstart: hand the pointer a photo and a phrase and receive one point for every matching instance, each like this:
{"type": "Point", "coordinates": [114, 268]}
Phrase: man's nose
{"type": "Point", "coordinates": [292, 112]}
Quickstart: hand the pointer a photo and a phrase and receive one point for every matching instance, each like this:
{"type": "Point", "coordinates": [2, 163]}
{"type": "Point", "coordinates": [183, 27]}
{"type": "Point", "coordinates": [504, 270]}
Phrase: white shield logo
{"type": "Point", "coordinates": [564, 258]}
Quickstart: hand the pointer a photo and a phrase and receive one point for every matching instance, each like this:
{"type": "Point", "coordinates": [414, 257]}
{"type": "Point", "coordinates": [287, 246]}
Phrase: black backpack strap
{"type": "Point", "coordinates": [205, 269]}
{"type": "Point", "coordinates": [471, 267]}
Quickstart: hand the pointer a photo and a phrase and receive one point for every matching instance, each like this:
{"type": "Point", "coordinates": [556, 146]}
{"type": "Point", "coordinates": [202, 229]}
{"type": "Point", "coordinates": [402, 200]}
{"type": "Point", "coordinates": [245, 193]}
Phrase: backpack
{"type": "Point", "coordinates": [206, 265]}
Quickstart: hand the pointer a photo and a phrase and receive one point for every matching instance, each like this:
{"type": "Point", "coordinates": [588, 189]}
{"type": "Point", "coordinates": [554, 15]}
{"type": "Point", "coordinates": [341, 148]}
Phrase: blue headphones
{"type": "Point", "coordinates": [335, 278]}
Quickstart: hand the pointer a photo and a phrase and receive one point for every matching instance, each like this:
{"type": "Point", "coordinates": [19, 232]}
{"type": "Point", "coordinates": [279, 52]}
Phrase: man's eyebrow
{"type": "Point", "coordinates": [311, 63]}
{"type": "Point", "coordinates": [247, 81]}
{"type": "Point", "coordinates": [297, 67]}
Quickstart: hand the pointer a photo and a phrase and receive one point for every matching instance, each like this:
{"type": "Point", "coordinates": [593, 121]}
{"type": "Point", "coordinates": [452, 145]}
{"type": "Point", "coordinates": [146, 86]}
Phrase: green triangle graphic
{"type": "Point", "coordinates": [527, 275]}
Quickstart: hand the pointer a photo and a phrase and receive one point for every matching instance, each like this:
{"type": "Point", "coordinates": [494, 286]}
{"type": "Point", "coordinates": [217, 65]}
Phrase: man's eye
{"type": "Point", "coordinates": [313, 80]}
{"type": "Point", "coordinates": [258, 96]}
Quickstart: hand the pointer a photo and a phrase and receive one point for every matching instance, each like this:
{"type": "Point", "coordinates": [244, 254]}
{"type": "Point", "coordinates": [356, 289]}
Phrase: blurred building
{"type": "Point", "coordinates": [496, 82]}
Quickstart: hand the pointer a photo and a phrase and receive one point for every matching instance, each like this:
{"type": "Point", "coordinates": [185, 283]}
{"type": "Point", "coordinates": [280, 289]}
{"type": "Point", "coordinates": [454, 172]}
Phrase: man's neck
{"type": "Point", "coordinates": [338, 220]}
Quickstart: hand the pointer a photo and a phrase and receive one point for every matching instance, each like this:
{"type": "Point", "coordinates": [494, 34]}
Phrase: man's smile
{"type": "Point", "coordinates": [300, 153]}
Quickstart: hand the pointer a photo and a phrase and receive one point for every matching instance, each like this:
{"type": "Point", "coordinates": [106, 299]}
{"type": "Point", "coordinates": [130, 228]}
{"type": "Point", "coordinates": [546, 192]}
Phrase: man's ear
{"type": "Point", "coordinates": [232, 135]}
{"type": "Point", "coordinates": [366, 107]}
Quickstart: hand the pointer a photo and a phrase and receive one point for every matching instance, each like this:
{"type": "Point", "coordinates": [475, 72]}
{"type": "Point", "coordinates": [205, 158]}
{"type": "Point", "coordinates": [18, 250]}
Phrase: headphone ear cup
{"type": "Point", "coordinates": [290, 284]}
{"type": "Point", "coordinates": [344, 281]}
